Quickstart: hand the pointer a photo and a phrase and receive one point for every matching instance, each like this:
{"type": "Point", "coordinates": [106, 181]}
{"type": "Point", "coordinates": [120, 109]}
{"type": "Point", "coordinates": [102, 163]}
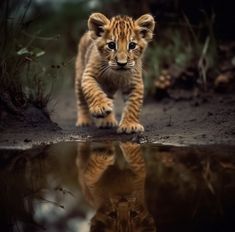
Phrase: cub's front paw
{"type": "Point", "coordinates": [129, 128]}
{"type": "Point", "coordinates": [105, 160]}
{"type": "Point", "coordinates": [101, 109]}
{"type": "Point", "coordinates": [104, 156]}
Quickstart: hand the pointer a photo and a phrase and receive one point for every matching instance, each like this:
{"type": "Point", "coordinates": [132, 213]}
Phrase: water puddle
{"type": "Point", "coordinates": [117, 187]}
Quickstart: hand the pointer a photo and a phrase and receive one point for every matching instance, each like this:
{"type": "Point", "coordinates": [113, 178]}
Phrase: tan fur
{"type": "Point", "coordinates": [115, 189]}
{"type": "Point", "coordinates": [103, 68]}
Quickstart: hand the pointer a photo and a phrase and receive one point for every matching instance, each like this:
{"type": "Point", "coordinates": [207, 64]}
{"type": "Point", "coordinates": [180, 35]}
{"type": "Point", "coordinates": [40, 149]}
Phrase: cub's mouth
{"type": "Point", "coordinates": [121, 69]}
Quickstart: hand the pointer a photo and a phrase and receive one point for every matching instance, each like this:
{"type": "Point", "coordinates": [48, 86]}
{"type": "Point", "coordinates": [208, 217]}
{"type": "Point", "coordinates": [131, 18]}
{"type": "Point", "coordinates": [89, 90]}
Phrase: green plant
{"type": "Point", "coordinates": [26, 76]}
{"type": "Point", "coordinates": [181, 47]}
{"type": "Point", "coordinates": [176, 51]}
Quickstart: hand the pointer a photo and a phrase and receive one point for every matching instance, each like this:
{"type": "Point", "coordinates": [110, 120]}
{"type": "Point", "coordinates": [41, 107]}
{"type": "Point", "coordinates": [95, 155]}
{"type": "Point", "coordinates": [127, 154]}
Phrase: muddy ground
{"type": "Point", "coordinates": [206, 119]}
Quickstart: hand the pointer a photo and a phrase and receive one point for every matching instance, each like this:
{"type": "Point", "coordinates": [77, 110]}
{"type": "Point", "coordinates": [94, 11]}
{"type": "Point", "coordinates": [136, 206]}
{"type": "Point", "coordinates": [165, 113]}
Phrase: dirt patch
{"type": "Point", "coordinates": [207, 119]}
{"type": "Point", "coordinates": [28, 127]}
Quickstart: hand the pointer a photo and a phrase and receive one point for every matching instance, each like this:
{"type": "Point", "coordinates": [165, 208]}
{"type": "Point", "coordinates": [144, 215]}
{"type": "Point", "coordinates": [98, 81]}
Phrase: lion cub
{"type": "Point", "coordinates": [110, 59]}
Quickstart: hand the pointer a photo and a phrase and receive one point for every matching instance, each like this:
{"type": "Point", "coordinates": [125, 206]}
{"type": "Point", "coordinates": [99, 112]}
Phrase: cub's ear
{"type": "Point", "coordinates": [145, 25]}
{"type": "Point", "coordinates": [96, 24]}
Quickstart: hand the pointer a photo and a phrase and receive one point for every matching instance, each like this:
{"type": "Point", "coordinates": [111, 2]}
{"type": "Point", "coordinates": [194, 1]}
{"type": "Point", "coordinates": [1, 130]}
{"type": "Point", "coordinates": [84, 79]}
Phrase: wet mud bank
{"type": "Point", "coordinates": [204, 120]}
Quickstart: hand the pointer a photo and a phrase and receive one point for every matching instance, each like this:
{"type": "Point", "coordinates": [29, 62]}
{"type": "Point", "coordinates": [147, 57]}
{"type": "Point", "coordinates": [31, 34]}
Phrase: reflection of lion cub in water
{"type": "Point", "coordinates": [116, 193]}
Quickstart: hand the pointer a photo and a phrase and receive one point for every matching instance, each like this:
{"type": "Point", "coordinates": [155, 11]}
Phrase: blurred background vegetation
{"type": "Point", "coordinates": [193, 47]}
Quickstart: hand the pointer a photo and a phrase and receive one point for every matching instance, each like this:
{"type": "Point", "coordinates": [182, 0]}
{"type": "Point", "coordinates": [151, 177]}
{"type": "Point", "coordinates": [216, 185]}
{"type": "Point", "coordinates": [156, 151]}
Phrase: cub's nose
{"type": "Point", "coordinates": [121, 64]}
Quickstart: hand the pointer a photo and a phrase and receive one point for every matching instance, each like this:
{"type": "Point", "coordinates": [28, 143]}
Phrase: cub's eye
{"type": "Point", "coordinates": [113, 215]}
{"type": "Point", "coordinates": [111, 45]}
{"type": "Point", "coordinates": [132, 45]}
{"type": "Point", "coordinates": [133, 213]}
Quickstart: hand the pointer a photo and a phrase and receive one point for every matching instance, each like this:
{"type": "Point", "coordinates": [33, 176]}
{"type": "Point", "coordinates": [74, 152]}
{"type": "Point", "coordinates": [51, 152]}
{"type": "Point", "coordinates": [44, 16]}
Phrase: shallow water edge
{"type": "Point", "coordinates": [76, 186]}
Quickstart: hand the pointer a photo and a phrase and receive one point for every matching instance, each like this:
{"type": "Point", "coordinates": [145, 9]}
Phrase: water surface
{"type": "Point", "coordinates": [117, 186]}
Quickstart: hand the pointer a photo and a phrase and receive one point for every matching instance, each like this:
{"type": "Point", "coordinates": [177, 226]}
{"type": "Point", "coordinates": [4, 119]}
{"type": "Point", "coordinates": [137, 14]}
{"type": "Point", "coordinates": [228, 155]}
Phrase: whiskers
{"type": "Point", "coordinates": [142, 69]}
{"type": "Point", "coordinates": [114, 73]}
{"type": "Point", "coordinates": [103, 70]}
{"type": "Point", "coordinates": [131, 64]}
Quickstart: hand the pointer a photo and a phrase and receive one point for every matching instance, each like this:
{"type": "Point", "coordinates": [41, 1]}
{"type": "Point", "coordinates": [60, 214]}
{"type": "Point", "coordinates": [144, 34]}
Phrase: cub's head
{"type": "Point", "coordinates": [122, 218]}
{"type": "Point", "coordinates": [121, 40]}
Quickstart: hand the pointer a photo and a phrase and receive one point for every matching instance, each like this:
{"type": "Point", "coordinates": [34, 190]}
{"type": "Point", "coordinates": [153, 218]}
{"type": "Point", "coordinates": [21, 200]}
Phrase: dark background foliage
{"type": "Point", "coordinates": [39, 39]}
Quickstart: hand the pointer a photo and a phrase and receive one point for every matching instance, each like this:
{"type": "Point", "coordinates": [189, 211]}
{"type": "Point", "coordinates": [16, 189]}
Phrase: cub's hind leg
{"type": "Point", "coordinates": [107, 122]}
{"type": "Point", "coordinates": [83, 115]}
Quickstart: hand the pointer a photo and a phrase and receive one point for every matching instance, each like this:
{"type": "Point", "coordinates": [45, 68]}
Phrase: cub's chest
{"type": "Point", "coordinates": [116, 80]}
